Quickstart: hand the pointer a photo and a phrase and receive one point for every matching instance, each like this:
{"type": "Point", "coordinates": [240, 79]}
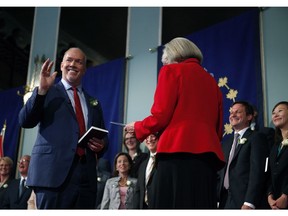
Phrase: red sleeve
{"type": "Point", "coordinates": [165, 100]}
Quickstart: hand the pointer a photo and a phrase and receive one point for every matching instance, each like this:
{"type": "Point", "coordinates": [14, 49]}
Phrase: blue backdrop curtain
{"type": "Point", "coordinates": [106, 83]}
{"type": "Point", "coordinates": [11, 103]}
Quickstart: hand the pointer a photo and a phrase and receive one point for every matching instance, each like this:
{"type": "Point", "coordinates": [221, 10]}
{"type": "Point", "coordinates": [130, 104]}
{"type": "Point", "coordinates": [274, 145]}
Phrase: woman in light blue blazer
{"type": "Point", "coordinates": [119, 191]}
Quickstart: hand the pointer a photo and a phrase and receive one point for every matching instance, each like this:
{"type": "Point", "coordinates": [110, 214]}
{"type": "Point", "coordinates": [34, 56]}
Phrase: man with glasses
{"type": "Point", "coordinates": [144, 188]}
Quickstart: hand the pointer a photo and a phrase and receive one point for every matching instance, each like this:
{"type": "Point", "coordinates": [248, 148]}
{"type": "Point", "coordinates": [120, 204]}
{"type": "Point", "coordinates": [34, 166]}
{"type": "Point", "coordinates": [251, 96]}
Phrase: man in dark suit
{"type": "Point", "coordinates": [103, 174]}
{"type": "Point", "coordinates": [62, 173]}
{"type": "Point", "coordinates": [18, 194]}
{"type": "Point", "coordinates": [247, 172]}
{"type": "Point", "coordinates": [268, 131]}
{"type": "Point", "coordinates": [144, 188]}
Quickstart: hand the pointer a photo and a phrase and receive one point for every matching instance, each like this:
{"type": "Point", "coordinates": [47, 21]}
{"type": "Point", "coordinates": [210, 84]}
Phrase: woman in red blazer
{"type": "Point", "coordinates": [187, 112]}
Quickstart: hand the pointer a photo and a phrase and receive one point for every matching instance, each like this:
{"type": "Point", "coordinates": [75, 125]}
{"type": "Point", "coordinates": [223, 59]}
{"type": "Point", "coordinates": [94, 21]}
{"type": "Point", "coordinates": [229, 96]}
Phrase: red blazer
{"type": "Point", "coordinates": [187, 111]}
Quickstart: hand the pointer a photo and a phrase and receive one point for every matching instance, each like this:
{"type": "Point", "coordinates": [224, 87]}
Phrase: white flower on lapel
{"type": "Point", "coordinates": [93, 102]}
{"type": "Point", "coordinates": [242, 141]}
{"type": "Point", "coordinates": [128, 183]}
{"type": "Point", "coordinates": [5, 185]}
{"type": "Point", "coordinates": [99, 179]}
{"type": "Point", "coordinates": [285, 142]}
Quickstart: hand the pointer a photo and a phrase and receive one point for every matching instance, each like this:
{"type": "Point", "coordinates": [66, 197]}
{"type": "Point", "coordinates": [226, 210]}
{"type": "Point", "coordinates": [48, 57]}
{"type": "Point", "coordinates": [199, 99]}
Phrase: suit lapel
{"type": "Point", "coordinates": [89, 108]}
{"type": "Point", "coordinates": [62, 91]}
{"type": "Point", "coordinates": [246, 135]}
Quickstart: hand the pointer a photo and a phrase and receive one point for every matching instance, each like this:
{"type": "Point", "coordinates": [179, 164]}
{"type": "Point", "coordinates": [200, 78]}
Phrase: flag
{"type": "Point", "coordinates": [231, 51]}
{"type": "Point", "coordinates": [2, 134]}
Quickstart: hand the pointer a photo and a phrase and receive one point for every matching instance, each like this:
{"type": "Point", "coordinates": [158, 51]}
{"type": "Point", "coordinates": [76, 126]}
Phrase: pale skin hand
{"type": "Point", "coordinates": [130, 127]}
{"type": "Point", "coordinates": [272, 202]}
{"type": "Point", "coordinates": [96, 145]}
{"type": "Point", "coordinates": [46, 80]}
{"type": "Point", "coordinates": [281, 202]}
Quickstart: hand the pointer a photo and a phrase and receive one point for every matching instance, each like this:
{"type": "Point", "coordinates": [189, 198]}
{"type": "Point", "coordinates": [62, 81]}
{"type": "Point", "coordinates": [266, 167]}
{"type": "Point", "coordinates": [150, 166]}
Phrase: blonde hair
{"type": "Point", "coordinates": [8, 160]}
{"type": "Point", "coordinates": [180, 49]}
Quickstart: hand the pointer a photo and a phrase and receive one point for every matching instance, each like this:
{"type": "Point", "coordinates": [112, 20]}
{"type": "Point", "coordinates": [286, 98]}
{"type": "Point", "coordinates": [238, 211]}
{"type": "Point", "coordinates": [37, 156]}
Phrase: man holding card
{"type": "Point", "coordinates": [62, 173]}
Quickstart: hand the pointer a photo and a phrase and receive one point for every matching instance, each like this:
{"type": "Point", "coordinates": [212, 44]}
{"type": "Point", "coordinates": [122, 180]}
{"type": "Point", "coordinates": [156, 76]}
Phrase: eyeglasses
{"type": "Point", "coordinates": [23, 161]}
{"type": "Point", "coordinates": [129, 138]}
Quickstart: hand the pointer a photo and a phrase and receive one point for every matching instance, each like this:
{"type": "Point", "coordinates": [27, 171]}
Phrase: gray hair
{"type": "Point", "coordinates": [180, 49]}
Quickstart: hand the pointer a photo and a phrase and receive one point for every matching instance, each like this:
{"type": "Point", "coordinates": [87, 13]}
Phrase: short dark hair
{"type": "Point", "coordinates": [248, 107]}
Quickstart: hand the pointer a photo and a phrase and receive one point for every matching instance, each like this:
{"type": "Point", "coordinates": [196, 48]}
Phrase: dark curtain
{"type": "Point", "coordinates": [106, 83]}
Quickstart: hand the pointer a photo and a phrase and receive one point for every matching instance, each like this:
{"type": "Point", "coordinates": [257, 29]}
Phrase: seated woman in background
{"type": "Point", "coordinates": [119, 191]}
{"type": "Point", "coordinates": [132, 146]}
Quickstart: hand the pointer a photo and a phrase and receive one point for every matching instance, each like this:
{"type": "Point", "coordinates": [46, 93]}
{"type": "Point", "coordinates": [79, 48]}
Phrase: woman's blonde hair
{"type": "Point", "coordinates": [8, 160]}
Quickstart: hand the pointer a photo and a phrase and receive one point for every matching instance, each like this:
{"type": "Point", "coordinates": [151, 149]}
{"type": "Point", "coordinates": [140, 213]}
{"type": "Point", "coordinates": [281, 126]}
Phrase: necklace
{"type": "Point", "coordinates": [123, 182]}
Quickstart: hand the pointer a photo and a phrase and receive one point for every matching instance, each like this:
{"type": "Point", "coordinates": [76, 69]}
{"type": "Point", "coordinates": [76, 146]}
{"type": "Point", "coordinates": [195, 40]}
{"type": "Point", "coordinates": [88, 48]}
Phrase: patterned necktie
{"type": "Point", "coordinates": [148, 175]}
{"type": "Point", "coordinates": [232, 151]}
{"type": "Point", "coordinates": [80, 119]}
{"type": "Point", "coordinates": [21, 187]}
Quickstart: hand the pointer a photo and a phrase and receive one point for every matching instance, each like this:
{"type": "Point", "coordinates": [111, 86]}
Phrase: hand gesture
{"type": "Point", "coordinates": [46, 80]}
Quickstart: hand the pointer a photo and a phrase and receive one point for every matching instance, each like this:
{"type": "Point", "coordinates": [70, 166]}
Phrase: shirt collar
{"type": "Point", "coordinates": [67, 86]}
{"type": "Point", "coordinates": [241, 132]}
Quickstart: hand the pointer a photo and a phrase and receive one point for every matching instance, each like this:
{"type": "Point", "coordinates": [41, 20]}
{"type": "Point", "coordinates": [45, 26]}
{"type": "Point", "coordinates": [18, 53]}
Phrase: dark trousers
{"type": "Point", "coordinates": [185, 181]}
{"type": "Point", "coordinates": [75, 193]}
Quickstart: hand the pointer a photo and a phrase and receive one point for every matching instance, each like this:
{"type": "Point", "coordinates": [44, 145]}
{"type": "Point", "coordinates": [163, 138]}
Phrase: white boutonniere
{"type": "Point", "coordinates": [285, 142]}
{"type": "Point", "coordinates": [242, 141]}
{"type": "Point", "coordinates": [93, 102]}
{"type": "Point", "coordinates": [128, 183]}
{"type": "Point", "coordinates": [5, 186]}
{"type": "Point", "coordinates": [99, 179]}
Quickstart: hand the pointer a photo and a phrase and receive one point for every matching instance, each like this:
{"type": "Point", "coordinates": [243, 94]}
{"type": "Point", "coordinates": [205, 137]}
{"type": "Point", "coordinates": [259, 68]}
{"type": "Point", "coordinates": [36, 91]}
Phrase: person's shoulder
{"type": "Point", "coordinates": [112, 180]}
{"type": "Point", "coordinates": [144, 154]}
{"type": "Point", "coordinates": [267, 130]}
{"type": "Point", "coordinates": [132, 179]}
{"type": "Point", "coordinates": [14, 181]}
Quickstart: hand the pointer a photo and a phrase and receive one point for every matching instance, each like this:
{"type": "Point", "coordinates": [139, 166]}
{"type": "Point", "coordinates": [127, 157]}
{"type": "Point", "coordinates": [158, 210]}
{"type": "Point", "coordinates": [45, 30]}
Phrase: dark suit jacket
{"type": "Point", "coordinates": [3, 191]}
{"type": "Point", "coordinates": [136, 164]}
{"type": "Point", "coordinates": [102, 177]}
{"type": "Point", "coordinates": [279, 171]}
{"type": "Point", "coordinates": [12, 199]}
{"type": "Point", "coordinates": [247, 176]}
{"type": "Point", "coordinates": [141, 186]}
{"type": "Point", "coordinates": [269, 133]}
{"type": "Point", "coordinates": [56, 142]}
